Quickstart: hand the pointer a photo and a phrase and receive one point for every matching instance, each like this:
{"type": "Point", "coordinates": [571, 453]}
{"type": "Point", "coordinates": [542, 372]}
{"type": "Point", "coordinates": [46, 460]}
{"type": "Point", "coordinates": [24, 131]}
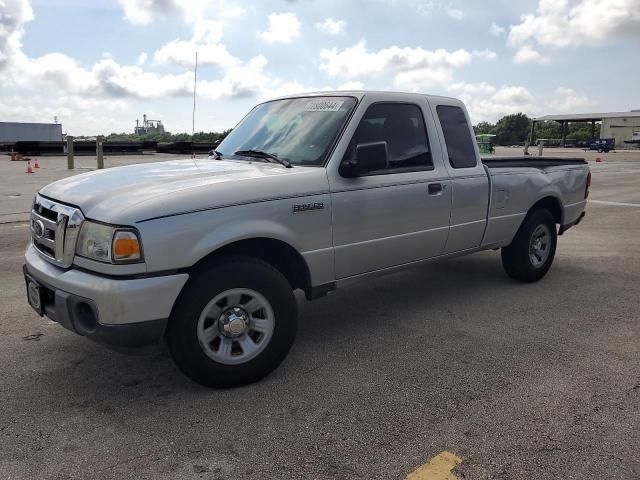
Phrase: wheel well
{"type": "Point", "coordinates": [553, 205]}
{"type": "Point", "coordinates": [277, 253]}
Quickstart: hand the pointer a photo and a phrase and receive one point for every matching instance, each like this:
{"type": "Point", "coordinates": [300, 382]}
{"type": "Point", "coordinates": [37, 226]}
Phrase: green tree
{"type": "Point", "coordinates": [582, 131]}
{"type": "Point", "coordinates": [512, 129]}
{"type": "Point", "coordinates": [167, 137]}
{"type": "Point", "coordinates": [483, 127]}
{"type": "Point", "coordinates": [548, 129]}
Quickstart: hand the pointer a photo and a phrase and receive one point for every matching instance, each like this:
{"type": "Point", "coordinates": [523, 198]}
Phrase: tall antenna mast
{"type": "Point", "coordinates": [195, 80]}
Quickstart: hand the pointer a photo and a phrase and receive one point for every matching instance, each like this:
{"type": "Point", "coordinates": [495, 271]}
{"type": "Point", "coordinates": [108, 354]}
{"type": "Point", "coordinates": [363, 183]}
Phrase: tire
{"type": "Point", "coordinates": [234, 322]}
{"type": "Point", "coordinates": [521, 260]}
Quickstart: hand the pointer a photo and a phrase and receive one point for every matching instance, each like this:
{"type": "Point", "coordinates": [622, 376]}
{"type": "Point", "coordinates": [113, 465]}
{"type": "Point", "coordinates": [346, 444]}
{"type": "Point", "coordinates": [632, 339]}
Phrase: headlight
{"type": "Point", "coordinates": [109, 244]}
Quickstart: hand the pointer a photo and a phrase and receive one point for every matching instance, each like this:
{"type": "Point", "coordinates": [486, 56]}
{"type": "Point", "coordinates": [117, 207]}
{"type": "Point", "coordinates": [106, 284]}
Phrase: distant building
{"type": "Point", "coordinates": [148, 126]}
{"type": "Point", "coordinates": [12, 132]}
{"type": "Point", "coordinates": [624, 127]}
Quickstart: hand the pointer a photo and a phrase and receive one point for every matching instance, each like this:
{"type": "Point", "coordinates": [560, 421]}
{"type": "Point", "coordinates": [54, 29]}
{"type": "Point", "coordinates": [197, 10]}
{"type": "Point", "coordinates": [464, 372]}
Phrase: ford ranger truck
{"type": "Point", "coordinates": [308, 192]}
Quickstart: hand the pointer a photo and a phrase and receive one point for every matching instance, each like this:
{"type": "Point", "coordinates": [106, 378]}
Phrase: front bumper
{"type": "Point", "coordinates": [122, 313]}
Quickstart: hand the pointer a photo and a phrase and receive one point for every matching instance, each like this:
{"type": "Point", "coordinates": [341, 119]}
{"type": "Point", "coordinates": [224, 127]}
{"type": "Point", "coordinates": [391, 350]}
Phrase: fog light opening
{"type": "Point", "coordinates": [85, 318]}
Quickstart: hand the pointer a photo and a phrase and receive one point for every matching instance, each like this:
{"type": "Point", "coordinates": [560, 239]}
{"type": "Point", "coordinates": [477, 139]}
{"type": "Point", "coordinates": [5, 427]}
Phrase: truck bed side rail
{"type": "Point", "coordinates": [535, 162]}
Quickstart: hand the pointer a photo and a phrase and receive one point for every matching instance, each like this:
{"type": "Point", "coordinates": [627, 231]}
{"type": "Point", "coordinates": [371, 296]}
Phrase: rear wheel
{"type": "Point", "coordinates": [533, 249]}
{"type": "Point", "coordinates": [234, 323]}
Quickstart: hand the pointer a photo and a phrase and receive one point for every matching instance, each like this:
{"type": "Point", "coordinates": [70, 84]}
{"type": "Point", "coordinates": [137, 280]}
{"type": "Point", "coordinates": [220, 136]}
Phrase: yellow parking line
{"type": "Point", "coordinates": [438, 468]}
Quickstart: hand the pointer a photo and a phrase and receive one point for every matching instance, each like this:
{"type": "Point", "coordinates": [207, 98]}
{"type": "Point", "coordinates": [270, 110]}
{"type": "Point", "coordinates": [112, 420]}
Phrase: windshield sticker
{"type": "Point", "coordinates": [324, 106]}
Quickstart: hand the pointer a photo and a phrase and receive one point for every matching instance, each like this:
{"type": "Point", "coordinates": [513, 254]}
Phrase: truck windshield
{"type": "Point", "coordinates": [298, 130]}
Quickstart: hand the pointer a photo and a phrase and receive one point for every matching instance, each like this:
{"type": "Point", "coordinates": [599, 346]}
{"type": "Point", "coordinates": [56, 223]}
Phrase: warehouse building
{"type": "Point", "coordinates": [624, 127]}
{"type": "Point", "coordinates": [13, 132]}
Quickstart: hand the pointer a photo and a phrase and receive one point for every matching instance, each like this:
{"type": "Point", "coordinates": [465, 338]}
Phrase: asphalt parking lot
{"type": "Point", "coordinates": [538, 381]}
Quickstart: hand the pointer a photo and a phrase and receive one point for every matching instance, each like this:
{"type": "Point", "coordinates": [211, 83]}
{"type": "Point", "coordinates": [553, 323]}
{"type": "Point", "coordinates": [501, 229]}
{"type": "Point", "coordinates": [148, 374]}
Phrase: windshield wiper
{"type": "Point", "coordinates": [265, 155]}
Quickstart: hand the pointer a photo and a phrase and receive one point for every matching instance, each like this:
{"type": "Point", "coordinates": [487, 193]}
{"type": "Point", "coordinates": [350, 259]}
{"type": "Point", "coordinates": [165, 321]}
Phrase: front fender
{"type": "Point", "coordinates": [180, 241]}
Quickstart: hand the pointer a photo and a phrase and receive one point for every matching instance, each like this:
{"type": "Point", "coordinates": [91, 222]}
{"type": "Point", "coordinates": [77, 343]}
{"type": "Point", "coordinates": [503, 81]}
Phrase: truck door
{"type": "Point", "coordinates": [469, 180]}
{"type": "Point", "coordinates": [399, 213]}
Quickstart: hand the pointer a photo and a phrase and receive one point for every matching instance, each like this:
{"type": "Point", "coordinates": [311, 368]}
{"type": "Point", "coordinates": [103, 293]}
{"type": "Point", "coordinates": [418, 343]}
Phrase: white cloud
{"type": "Point", "coordinates": [565, 23]}
{"type": "Point", "coordinates": [489, 103]}
{"type": "Point", "coordinates": [472, 88]}
{"type": "Point", "coordinates": [414, 69]}
{"type": "Point", "coordinates": [513, 95]}
{"type": "Point", "coordinates": [283, 28]}
{"type": "Point", "coordinates": [77, 115]}
{"type": "Point", "coordinates": [13, 16]}
{"type": "Point", "coordinates": [331, 26]}
{"type": "Point", "coordinates": [357, 61]}
{"type": "Point", "coordinates": [455, 13]}
{"type": "Point", "coordinates": [205, 40]}
{"type": "Point", "coordinates": [496, 30]}
{"type": "Point", "coordinates": [423, 7]}
{"type": "Point", "coordinates": [568, 100]}
{"type": "Point", "coordinates": [239, 81]}
{"type": "Point", "coordinates": [485, 54]}
{"type": "Point", "coordinates": [351, 86]}
{"type": "Point", "coordinates": [527, 54]}
{"type": "Point", "coordinates": [142, 58]}
{"type": "Point", "coordinates": [422, 78]}
{"type": "Point", "coordinates": [144, 12]}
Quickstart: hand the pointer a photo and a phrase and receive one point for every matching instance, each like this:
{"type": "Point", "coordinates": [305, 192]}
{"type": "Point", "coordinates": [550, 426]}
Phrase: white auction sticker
{"type": "Point", "coordinates": [324, 106]}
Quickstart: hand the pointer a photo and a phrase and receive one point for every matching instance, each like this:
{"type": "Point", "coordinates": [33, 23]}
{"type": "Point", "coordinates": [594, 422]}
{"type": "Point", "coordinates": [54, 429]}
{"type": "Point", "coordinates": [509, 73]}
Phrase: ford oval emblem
{"type": "Point", "coordinates": [38, 228]}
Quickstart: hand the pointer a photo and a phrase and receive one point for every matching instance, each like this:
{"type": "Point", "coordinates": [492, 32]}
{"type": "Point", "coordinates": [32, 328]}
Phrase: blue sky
{"type": "Point", "coordinates": [98, 65]}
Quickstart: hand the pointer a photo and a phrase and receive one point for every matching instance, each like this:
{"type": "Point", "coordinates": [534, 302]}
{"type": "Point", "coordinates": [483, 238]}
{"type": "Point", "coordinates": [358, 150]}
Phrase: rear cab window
{"type": "Point", "coordinates": [457, 136]}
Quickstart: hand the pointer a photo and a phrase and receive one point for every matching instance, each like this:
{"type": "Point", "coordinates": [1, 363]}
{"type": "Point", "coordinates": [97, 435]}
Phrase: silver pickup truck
{"type": "Point", "coordinates": [307, 192]}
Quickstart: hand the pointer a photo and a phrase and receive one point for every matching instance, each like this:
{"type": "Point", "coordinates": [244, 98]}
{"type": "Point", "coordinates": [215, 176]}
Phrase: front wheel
{"type": "Point", "coordinates": [234, 323]}
{"type": "Point", "coordinates": [531, 253]}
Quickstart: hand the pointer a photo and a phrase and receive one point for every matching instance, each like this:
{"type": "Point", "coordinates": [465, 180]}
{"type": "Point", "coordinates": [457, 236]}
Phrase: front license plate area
{"type": "Point", "coordinates": [34, 294]}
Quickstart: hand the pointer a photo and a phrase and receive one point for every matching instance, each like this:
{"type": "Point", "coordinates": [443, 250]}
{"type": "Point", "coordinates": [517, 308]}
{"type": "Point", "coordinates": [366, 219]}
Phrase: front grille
{"type": "Point", "coordinates": [54, 230]}
{"type": "Point", "coordinates": [46, 212]}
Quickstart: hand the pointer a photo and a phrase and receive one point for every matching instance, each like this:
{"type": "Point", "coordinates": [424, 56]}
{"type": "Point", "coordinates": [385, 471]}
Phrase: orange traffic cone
{"type": "Point", "coordinates": [36, 164]}
{"type": "Point", "coordinates": [29, 169]}
{"type": "Point", "coordinates": [598, 159]}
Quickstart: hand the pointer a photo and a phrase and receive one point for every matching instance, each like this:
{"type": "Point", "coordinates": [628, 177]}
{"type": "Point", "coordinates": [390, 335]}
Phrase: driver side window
{"type": "Point", "coordinates": [402, 127]}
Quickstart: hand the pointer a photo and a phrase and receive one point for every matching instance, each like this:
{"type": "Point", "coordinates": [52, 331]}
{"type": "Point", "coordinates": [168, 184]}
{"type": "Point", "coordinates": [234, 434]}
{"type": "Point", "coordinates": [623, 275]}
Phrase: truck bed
{"type": "Point", "coordinates": [535, 162]}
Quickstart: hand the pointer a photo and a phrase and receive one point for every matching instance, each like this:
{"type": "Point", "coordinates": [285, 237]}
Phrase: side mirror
{"type": "Point", "coordinates": [369, 158]}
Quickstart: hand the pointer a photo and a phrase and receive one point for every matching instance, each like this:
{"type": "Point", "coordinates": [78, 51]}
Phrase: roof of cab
{"type": "Point", "coordinates": [359, 94]}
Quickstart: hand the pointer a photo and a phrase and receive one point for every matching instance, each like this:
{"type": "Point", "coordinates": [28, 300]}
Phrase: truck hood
{"type": "Point", "coordinates": [130, 194]}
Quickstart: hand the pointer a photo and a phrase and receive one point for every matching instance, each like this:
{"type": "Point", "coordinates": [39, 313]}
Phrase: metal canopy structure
{"type": "Point", "coordinates": [592, 118]}
{"type": "Point", "coordinates": [586, 117]}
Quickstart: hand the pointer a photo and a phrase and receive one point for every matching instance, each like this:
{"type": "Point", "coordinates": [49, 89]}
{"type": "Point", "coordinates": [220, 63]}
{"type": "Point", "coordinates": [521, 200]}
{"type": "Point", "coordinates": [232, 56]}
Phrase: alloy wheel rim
{"type": "Point", "coordinates": [235, 326]}
{"type": "Point", "coordinates": [539, 245]}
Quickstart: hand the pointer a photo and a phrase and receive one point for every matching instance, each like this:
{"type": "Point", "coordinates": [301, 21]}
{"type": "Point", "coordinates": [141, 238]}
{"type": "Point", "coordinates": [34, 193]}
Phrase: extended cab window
{"type": "Point", "coordinates": [402, 127]}
{"type": "Point", "coordinates": [457, 136]}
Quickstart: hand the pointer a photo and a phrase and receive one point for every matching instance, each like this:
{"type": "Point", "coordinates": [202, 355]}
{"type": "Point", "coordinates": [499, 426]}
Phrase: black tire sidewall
{"type": "Point", "coordinates": [225, 274]}
{"type": "Point", "coordinates": [515, 257]}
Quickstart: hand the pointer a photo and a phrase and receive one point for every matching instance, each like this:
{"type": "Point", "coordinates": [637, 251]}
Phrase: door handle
{"type": "Point", "coordinates": [435, 188]}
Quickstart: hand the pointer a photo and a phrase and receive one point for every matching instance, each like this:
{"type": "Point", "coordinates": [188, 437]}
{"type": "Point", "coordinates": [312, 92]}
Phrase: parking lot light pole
{"type": "Point", "coordinates": [69, 152]}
